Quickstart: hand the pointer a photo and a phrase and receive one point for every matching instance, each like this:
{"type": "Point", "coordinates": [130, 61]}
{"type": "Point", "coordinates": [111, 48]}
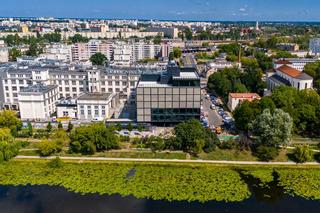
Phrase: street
{"type": "Point", "coordinates": [213, 117]}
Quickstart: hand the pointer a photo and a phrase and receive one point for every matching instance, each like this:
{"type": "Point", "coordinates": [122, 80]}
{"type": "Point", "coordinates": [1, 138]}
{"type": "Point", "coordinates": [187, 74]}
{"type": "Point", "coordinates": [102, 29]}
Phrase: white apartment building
{"type": "Point", "coordinates": [314, 46]}
{"type": "Point", "coordinates": [57, 52]}
{"type": "Point", "coordinates": [119, 53]}
{"type": "Point", "coordinates": [4, 55]}
{"type": "Point", "coordinates": [296, 63]}
{"type": "Point", "coordinates": [83, 51]}
{"type": "Point", "coordinates": [70, 82]}
{"type": "Point", "coordinates": [95, 106]}
{"type": "Point", "coordinates": [37, 102]}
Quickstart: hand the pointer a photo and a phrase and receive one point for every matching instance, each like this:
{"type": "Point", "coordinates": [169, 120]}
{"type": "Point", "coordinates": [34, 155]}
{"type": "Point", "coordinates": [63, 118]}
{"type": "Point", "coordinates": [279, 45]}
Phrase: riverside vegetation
{"type": "Point", "coordinates": [172, 182]}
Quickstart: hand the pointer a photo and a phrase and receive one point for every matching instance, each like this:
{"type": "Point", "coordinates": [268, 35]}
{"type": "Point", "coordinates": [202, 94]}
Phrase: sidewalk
{"type": "Point", "coordinates": [170, 161]}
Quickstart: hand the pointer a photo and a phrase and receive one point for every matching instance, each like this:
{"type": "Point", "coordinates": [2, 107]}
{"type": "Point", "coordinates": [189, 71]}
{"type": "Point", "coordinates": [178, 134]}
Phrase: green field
{"type": "Point", "coordinates": [159, 181]}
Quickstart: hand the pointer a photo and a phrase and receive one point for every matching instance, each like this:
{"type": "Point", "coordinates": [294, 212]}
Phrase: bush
{"type": "Point", "coordinates": [230, 144]}
{"type": "Point", "coordinates": [47, 148]}
{"type": "Point", "coordinates": [265, 153]}
{"type": "Point", "coordinates": [55, 163]}
{"type": "Point", "coordinates": [302, 154]}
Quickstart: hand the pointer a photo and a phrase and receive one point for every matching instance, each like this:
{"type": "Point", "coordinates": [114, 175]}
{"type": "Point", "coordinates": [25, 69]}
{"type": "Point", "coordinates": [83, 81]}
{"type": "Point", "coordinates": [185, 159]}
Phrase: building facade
{"type": "Point", "coordinates": [288, 76]}
{"type": "Point", "coordinates": [237, 98]}
{"type": "Point", "coordinates": [37, 102]}
{"type": "Point", "coordinates": [170, 97]}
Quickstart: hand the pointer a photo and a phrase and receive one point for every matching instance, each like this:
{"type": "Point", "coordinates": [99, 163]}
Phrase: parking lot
{"type": "Point", "coordinates": [213, 115]}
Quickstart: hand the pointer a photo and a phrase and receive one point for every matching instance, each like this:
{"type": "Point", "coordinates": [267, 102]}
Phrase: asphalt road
{"type": "Point", "coordinates": [213, 117]}
{"type": "Point", "coordinates": [189, 61]}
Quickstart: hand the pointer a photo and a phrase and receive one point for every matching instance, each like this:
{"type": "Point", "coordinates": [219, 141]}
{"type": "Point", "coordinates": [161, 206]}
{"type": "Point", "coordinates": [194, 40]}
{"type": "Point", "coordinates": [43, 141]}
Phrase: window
{"type": "Point", "coordinates": [96, 113]}
{"type": "Point", "coordinates": [74, 82]}
{"type": "Point", "coordinates": [74, 89]}
{"type": "Point", "coordinates": [14, 88]}
{"type": "Point", "coordinates": [89, 112]}
{"type": "Point", "coordinates": [82, 112]}
{"type": "Point", "coordinates": [20, 81]}
{"type": "Point", "coordinates": [67, 89]}
{"type": "Point", "coordinates": [103, 112]}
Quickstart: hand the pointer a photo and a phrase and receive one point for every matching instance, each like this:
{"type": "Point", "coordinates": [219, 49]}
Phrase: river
{"type": "Point", "coordinates": [38, 199]}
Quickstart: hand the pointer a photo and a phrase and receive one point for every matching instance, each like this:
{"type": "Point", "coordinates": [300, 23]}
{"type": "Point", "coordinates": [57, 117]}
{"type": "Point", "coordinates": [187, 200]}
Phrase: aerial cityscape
{"type": "Point", "coordinates": [164, 106]}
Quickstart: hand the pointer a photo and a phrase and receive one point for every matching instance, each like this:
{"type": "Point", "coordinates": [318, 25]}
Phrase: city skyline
{"type": "Point", "coordinates": [196, 10]}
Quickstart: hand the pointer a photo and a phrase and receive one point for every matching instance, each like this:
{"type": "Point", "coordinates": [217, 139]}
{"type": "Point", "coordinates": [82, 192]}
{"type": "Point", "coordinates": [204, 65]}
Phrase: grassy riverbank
{"type": "Point", "coordinates": [191, 182]}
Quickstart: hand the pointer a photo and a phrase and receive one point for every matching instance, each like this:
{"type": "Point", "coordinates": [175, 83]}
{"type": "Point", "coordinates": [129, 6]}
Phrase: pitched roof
{"type": "Point", "coordinates": [289, 71]}
{"type": "Point", "coordinates": [294, 73]}
{"type": "Point", "coordinates": [283, 62]}
{"type": "Point", "coordinates": [249, 96]}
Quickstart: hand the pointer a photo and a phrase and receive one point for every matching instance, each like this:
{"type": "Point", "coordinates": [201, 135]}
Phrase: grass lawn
{"type": "Point", "coordinates": [230, 155]}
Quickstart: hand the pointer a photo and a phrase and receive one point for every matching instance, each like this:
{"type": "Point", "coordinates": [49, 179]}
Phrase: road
{"type": "Point", "coordinates": [189, 61]}
{"type": "Point", "coordinates": [171, 161]}
{"type": "Point", "coordinates": [213, 117]}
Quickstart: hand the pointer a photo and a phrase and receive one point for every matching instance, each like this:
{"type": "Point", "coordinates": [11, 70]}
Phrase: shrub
{"type": "Point", "coordinates": [265, 153]}
{"type": "Point", "coordinates": [302, 154]}
{"type": "Point", "coordinates": [47, 148]}
{"type": "Point", "coordinates": [229, 144]}
{"type": "Point", "coordinates": [55, 163]}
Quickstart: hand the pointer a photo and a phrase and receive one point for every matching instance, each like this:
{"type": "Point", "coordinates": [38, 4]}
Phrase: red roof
{"type": "Point", "coordinates": [289, 71]}
{"type": "Point", "coordinates": [283, 62]}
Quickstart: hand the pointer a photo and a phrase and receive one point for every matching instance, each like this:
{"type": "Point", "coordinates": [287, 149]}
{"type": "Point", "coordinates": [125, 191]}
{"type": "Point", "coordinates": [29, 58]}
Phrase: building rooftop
{"type": "Point", "coordinates": [245, 95]}
{"type": "Point", "coordinates": [187, 76]}
{"type": "Point", "coordinates": [294, 73]}
{"type": "Point", "coordinates": [95, 96]}
{"type": "Point", "coordinates": [283, 62]}
{"type": "Point", "coordinates": [38, 88]}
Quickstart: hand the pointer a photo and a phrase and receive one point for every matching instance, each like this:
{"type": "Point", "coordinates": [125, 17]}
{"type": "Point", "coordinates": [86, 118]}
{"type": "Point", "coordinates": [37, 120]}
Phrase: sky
{"type": "Point", "coordinates": [205, 10]}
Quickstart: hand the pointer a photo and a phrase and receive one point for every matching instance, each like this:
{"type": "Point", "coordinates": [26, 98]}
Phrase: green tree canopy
{"type": "Point", "coordinates": [273, 129]}
{"type": "Point", "coordinates": [98, 59]}
{"type": "Point", "coordinates": [89, 139]}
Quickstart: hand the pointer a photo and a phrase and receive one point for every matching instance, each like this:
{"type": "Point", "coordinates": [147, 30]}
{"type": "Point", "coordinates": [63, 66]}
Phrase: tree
{"type": "Point", "coordinates": [177, 52]}
{"type": "Point", "coordinates": [78, 38]}
{"type": "Point", "coordinates": [60, 125]}
{"type": "Point", "coordinates": [14, 53]}
{"type": "Point", "coordinates": [171, 56]}
{"type": "Point", "coordinates": [47, 148]}
{"type": "Point", "coordinates": [49, 127]}
{"type": "Point", "coordinates": [193, 141]}
{"type": "Point", "coordinates": [70, 127]}
{"type": "Point", "coordinates": [188, 34]}
{"type": "Point", "coordinates": [157, 39]}
{"type": "Point", "coordinates": [8, 147]}
{"type": "Point", "coordinates": [34, 49]}
{"type": "Point", "coordinates": [8, 119]}
{"type": "Point", "coordinates": [53, 37]}
{"type": "Point", "coordinates": [89, 139]}
{"type": "Point", "coordinates": [130, 127]}
{"type": "Point", "coordinates": [273, 129]}
{"type": "Point", "coordinates": [30, 129]}
{"type": "Point", "coordinates": [313, 69]}
{"type": "Point", "coordinates": [266, 153]}
{"type": "Point", "coordinates": [302, 154]}
{"type": "Point", "coordinates": [98, 59]}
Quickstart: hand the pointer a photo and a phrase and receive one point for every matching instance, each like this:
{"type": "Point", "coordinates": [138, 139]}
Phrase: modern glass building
{"type": "Point", "coordinates": [169, 97]}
